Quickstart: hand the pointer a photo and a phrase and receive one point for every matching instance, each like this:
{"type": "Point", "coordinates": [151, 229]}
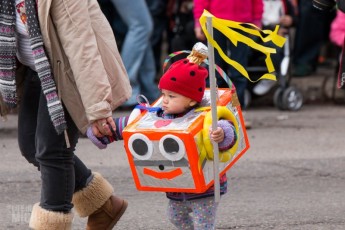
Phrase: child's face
{"type": "Point", "coordinates": [174, 103]}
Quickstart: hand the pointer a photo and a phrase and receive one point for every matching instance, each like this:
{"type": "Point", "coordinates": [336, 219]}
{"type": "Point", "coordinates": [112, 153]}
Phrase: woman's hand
{"type": "Point", "coordinates": [217, 135]}
{"type": "Point", "coordinates": [101, 127]}
{"type": "Point", "coordinates": [286, 21]}
{"type": "Point", "coordinates": [199, 34]}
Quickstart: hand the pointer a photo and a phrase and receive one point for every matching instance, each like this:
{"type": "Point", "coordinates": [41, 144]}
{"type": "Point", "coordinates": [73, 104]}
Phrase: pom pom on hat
{"type": "Point", "coordinates": [186, 76]}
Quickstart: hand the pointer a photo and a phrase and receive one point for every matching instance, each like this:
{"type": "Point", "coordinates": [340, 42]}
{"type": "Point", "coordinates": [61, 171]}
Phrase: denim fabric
{"type": "Point", "coordinates": [238, 53]}
{"type": "Point", "coordinates": [62, 173]}
{"type": "Point", "coordinates": [136, 49]}
{"type": "Point", "coordinates": [309, 40]}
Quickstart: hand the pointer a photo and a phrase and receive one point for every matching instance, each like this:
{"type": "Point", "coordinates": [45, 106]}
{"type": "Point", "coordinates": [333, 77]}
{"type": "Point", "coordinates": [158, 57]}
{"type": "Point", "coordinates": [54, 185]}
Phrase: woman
{"type": "Point", "coordinates": [60, 64]}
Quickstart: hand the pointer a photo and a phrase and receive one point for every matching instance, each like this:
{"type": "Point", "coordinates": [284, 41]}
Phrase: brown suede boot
{"type": "Point", "coordinates": [107, 216]}
{"type": "Point", "coordinates": [42, 219]}
{"type": "Point", "coordinates": [97, 202]}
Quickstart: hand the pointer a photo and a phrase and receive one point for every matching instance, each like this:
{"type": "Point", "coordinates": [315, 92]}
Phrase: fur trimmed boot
{"type": "Point", "coordinates": [42, 219]}
{"type": "Point", "coordinates": [97, 202]}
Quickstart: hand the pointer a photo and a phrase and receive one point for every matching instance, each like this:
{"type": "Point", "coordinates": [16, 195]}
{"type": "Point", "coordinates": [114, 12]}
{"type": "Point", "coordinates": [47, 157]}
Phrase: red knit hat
{"type": "Point", "coordinates": [185, 78]}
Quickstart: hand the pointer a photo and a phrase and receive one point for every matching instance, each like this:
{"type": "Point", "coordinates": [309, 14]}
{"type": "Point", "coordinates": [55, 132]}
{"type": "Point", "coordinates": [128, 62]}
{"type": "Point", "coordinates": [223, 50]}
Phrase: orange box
{"type": "Point", "coordinates": [168, 154]}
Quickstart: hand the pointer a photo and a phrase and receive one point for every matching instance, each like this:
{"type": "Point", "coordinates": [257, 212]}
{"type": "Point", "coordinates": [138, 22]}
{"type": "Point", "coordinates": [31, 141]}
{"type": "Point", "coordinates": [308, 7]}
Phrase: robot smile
{"type": "Point", "coordinates": [163, 175]}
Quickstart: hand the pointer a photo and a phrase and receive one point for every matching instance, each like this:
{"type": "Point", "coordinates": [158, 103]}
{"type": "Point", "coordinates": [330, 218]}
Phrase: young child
{"type": "Point", "coordinates": [182, 88]}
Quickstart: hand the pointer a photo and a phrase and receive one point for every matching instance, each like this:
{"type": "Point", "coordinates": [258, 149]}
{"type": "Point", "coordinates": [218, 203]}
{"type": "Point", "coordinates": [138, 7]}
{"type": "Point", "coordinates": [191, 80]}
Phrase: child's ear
{"type": "Point", "coordinates": [192, 103]}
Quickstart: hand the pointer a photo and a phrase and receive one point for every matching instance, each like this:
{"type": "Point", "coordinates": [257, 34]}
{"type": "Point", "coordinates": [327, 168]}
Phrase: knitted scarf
{"type": "Point", "coordinates": [42, 65]}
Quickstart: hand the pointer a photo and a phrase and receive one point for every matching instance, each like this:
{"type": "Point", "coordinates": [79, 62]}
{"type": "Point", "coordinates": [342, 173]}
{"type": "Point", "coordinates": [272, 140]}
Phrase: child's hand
{"type": "Point", "coordinates": [217, 135]}
{"type": "Point", "coordinates": [95, 140]}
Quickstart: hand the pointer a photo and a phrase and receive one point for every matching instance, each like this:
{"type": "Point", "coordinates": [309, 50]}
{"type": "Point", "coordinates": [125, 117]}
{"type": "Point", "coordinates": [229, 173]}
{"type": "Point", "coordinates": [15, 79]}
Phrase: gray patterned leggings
{"type": "Point", "coordinates": [199, 214]}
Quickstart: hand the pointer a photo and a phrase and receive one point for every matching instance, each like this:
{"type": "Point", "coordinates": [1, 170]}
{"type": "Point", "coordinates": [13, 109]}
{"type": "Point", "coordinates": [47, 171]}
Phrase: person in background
{"type": "Point", "coordinates": [246, 11]}
{"type": "Point", "coordinates": [158, 11]}
{"type": "Point", "coordinates": [276, 13]}
{"type": "Point", "coordinates": [182, 25]}
{"type": "Point", "coordinates": [308, 40]}
{"type": "Point", "coordinates": [61, 67]}
{"type": "Point", "coordinates": [136, 51]}
{"type": "Point", "coordinates": [337, 36]}
{"type": "Point", "coordinates": [337, 32]}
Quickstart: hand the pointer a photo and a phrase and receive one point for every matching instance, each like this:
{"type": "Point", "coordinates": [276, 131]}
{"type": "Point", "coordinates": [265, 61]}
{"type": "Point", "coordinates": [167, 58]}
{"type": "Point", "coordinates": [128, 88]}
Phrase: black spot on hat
{"type": "Point", "coordinates": [185, 61]}
{"type": "Point", "coordinates": [173, 78]}
{"type": "Point", "coordinates": [200, 89]}
{"type": "Point", "coordinates": [192, 73]}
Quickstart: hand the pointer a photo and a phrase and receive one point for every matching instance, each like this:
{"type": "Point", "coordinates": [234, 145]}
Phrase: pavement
{"type": "Point", "coordinates": [292, 177]}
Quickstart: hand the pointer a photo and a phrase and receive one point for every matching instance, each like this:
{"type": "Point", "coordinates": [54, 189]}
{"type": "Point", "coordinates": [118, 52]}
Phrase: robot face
{"type": "Point", "coordinates": [160, 162]}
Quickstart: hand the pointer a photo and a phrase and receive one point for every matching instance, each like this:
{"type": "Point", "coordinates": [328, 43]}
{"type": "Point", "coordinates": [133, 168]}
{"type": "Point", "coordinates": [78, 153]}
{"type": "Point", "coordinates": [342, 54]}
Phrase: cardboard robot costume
{"type": "Point", "coordinates": [171, 155]}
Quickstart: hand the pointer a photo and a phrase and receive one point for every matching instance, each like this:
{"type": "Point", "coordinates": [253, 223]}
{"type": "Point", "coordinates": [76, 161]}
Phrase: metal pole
{"type": "Point", "coordinates": [213, 90]}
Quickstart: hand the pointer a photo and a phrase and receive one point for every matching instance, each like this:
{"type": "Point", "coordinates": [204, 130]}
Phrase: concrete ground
{"type": "Point", "coordinates": [292, 177]}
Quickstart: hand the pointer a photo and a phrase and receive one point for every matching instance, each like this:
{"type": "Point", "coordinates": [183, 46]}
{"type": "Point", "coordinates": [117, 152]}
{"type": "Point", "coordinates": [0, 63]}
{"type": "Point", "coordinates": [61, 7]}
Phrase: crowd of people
{"type": "Point", "coordinates": [176, 27]}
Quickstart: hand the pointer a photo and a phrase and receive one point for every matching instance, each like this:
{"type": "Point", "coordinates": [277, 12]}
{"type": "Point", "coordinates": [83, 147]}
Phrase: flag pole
{"type": "Point", "coordinates": [213, 90]}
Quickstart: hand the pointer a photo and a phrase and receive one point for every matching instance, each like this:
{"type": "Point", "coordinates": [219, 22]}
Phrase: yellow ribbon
{"type": "Point", "coordinates": [227, 26]}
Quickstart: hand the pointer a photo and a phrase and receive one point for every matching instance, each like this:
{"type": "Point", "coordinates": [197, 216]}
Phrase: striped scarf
{"type": "Point", "coordinates": [42, 65]}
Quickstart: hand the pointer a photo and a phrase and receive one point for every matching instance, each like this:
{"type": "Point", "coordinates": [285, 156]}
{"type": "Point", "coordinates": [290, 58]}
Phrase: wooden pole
{"type": "Point", "coordinates": [213, 91]}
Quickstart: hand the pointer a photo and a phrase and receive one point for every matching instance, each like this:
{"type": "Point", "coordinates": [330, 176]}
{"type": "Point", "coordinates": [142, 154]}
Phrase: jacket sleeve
{"type": "Point", "coordinates": [120, 123]}
{"type": "Point", "coordinates": [337, 32]}
{"type": "Point", "coordinates": [230, 135]}
{"type": "Point", "coordinates": [258, 9]}
{"type": "Point", "coordinates": [74, 22]}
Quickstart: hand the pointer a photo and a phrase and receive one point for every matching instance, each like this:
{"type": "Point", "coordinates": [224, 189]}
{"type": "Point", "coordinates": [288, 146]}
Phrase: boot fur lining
{"type": "Point", "coordinates": [42, 219]}
{"type": "Point", "coordinates": [92, 197]}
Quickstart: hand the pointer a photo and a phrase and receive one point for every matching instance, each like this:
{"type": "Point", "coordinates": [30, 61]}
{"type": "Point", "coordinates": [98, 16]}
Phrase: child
{"type": "Point", "coordinates": [182, 88]}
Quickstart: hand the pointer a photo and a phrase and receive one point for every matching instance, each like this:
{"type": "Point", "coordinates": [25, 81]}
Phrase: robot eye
{"type": "Point", "coordinates": [140, 146]}
{"type": "Point", "coordinates": [172, 147]}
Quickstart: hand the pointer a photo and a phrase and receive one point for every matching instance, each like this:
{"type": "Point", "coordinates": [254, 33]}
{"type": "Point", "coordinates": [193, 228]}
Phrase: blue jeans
{"type": "Point", "coordinates": [136, 49]}
{"type": "Point", "coordinates": [239, 54]}
{"type": "Point", "coordinates": [62, 173]}
{"type": "Point", "coordinates": [308, 40]}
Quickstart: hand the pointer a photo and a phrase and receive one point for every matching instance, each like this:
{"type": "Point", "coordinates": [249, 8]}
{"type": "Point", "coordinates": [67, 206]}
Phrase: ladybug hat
{"type": "Point", "coordinates": [186, 76]}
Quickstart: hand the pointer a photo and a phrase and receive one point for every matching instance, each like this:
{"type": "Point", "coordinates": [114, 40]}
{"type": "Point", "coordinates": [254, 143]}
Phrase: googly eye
{"type": "Point", "coordinates": [172, 147]}
{"type": "Point", "coordinates": [140, 146]}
